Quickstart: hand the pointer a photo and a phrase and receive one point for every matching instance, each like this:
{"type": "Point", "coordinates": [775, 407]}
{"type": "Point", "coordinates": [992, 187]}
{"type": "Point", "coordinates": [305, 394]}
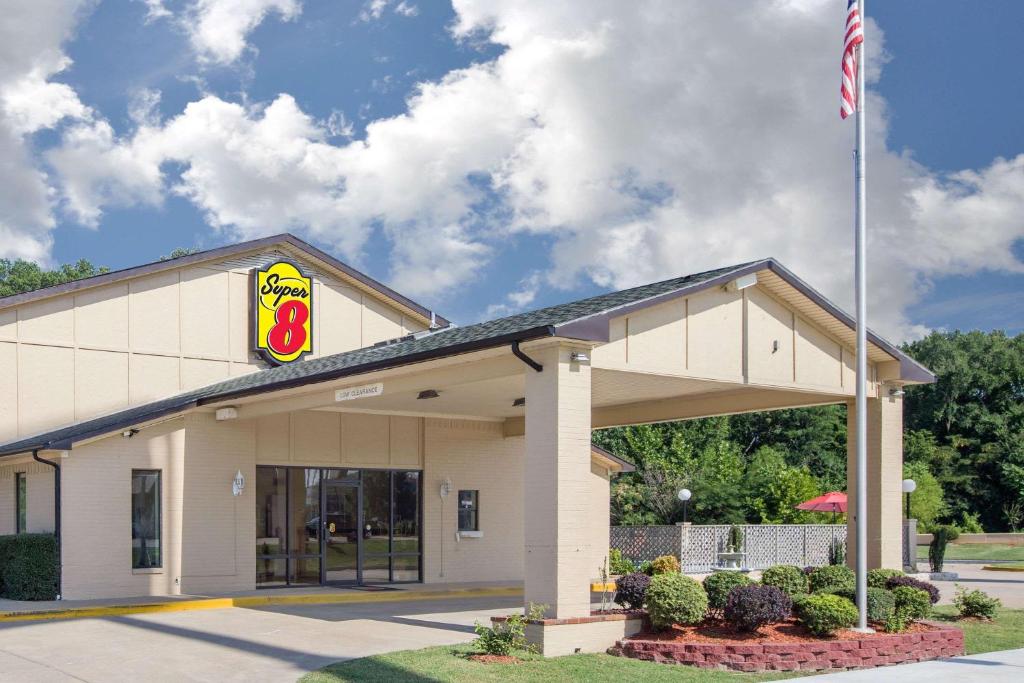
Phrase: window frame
{"type": "Point", "coordinates": [20, 503]}
{"type": "Point", "coordinates": [158, 526]}
{"type": "Point", "coordinates": [474, 510]}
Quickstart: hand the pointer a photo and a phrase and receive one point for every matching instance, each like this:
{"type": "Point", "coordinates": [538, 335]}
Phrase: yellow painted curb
{"type": "Point", "coordinates": [256, 601]}
{"type": "Point", "coordinates": [598, 587]}
{"type": "Point", "coordinates": [998, 568]}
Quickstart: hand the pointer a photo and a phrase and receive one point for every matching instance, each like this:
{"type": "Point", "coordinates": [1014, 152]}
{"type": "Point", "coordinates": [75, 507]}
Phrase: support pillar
{"type": "Point", "coordinates": [557, 483]}
{"type": "Point", "coordinates": [884, 485]}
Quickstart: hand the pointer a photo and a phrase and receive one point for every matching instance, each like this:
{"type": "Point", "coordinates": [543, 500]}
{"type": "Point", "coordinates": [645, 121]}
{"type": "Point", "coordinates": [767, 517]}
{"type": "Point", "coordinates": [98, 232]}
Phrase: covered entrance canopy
{"type": "Point", "coordinates": [746, 338]}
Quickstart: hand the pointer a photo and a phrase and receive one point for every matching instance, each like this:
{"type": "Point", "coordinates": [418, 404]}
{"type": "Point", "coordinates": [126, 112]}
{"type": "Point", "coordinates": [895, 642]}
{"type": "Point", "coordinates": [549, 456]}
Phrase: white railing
{"type": "Point", "coordinates": [697, 547]}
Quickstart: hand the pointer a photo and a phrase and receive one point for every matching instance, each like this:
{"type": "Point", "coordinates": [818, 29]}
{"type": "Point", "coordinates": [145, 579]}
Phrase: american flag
{"type": "Point", "coordinates": [854, 37]}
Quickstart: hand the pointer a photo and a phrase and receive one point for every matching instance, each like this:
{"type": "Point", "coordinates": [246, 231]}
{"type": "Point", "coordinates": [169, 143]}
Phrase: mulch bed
{"type": "Point", "coordinates": [495, 659]}
{"type": "Point", "coordinates": [791, 631]}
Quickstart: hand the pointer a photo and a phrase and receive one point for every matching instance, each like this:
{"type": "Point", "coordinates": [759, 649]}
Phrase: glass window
{"type": "Point", "coordinates": [21, 503]}
{"type": "Point", "coordinates": [407, 513]}
{"type": "Point", "coordinates": [376, 512]}
{"type": "Point", "coordinates": [146, 519]}
{"type": "Point", "coordinates": [271, 488]}
{"type": "Point", "coordinates": [405, 568]}
{"type": "Point", "coordinates": [468, 519]}
{"type": "Point", "coordinates": [304, 504]}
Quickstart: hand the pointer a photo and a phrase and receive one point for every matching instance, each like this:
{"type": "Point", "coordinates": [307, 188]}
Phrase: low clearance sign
{"type": "Point", "coordinates": [282, 313]}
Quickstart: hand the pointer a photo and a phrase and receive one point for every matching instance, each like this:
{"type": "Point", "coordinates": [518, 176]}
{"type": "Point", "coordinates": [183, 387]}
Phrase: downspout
{"type": "Point", "coordinates": [518, 353]}
{"type": "Point", "coordinates": [56, 517]}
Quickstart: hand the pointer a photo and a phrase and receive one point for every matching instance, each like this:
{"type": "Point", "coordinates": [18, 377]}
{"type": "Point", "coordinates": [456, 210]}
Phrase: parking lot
{"type": "Point", "coordinates": [236, 644]}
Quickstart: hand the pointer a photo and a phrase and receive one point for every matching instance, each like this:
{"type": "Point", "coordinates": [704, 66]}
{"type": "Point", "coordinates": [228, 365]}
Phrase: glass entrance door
{"type": "Point", "coordinates": [343, 543]}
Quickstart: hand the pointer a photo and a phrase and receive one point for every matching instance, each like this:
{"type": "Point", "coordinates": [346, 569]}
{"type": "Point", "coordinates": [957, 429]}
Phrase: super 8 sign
{"type": "Point", "coordinates": [283, 312]}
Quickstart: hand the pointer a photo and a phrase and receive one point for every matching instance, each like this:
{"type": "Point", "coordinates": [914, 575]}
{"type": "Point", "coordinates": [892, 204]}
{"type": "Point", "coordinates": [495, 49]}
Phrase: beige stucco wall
{"type": "Point", "coordinates": [96, 515]}
{"type": "Point", "coordinates": [39, 497]}
{"type": "Point", "coordinates": [743, 337]}
{"type": "Point", "coordinates": [475, 456]}
{"type": "Point", "coordinates": [79, 355]}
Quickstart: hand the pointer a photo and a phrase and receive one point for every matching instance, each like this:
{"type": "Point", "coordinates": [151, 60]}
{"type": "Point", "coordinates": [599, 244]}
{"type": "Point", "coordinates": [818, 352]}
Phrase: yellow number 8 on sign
{"type": "Point", "coordinates": [283, 299]}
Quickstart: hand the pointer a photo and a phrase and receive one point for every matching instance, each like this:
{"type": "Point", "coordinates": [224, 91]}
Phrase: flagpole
{"type": "Point", "coordinates": [862, 351]}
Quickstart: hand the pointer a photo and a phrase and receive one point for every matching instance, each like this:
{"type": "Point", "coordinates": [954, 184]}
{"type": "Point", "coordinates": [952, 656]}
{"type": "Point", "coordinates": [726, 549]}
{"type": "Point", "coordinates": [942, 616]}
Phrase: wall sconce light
{"type": "Point", "coordinates": [428, 393]}
{"type": "Point", "coordinates": [519, 402]}
{"type": "Point", "coordinates": [578, 357]}
{"type": "Point", "coordinates": [896, 392]}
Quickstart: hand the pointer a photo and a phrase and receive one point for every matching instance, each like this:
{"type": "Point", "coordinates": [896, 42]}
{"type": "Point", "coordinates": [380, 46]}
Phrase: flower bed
{"type": "Point", "coordinates": [788, 646]}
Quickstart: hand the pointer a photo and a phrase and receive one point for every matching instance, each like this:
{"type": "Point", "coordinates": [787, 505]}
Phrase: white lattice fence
{"type": "Point", "coordinates": [698, 547]}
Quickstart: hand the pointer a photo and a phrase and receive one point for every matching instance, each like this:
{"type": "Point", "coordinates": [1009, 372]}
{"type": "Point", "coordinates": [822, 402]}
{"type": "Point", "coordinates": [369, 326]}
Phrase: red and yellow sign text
{"type": "Point", "coordinates": [283, 301]}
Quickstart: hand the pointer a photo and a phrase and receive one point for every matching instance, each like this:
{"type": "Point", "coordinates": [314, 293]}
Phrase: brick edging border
{"type": "Point", "coordinates": [860, 653]}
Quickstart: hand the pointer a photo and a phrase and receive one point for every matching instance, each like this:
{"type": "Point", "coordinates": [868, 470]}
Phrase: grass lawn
{"type": "Point", "coordinates": [980, 551]}
{"type": "Point", "coordinates": [448, 663]}
{"type": "Point", "coordinates": [1005, 633]}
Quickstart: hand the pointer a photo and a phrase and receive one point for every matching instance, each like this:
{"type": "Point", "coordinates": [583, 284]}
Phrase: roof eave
{"type": "Point", "coordinates": [66, 443]}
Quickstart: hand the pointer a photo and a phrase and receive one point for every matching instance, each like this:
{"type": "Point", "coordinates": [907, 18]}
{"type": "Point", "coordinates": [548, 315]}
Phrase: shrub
{"type": "Point", "coordinates": [665, 564]}
{"type": "Point", "coordinates": [619, 565]}
{"type": "Point", "coordinates": [836, 552]}
{"type": "Point", "coordinates": [787, 578]}
{"type": "Point", "coordinates": [631, 589]}
{"type": "Point", "coordinates": [718, 584]}
{"type": "Point", "coordinates": [825, 614]}
{"type": "Point", "coordinates": [912, 603]}
{"type": "Point", "coordinates": [896, 623]}
{"type": "Point", "coordinates": [881, 605]}
{"type": "Point", "coordinates": [941, 536]}
{"type": "Point", "coordinates": [645, 567]}
{"type": "Point", "coordinates": [748, 608]}
{"type": "Point", "coordinates": [831, 578]}
{"type": "Point", "coordinates": [675, 599]}
{"type": "Point", "coordinates": [28, 567]}
{"type": "Point", "coordinates": [975, 603]}
{"type": "Point", "coordinates": [877, 578]}
{"type": "Point", "coordinates": [502, 637]}
{"type": "Point", "coordinates": [735, 541]}
{"type": "Point", "coordinates": [930, 588]}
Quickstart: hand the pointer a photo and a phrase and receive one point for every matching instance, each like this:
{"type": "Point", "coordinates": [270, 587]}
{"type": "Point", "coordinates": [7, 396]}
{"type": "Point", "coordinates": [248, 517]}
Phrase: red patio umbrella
{"type": "Point", "coordinates": [833, 502]}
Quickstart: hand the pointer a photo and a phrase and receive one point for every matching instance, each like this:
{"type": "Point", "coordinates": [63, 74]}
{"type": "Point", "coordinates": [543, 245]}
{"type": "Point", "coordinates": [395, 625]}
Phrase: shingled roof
{"type": "Point", "coordinates": [585, 319]}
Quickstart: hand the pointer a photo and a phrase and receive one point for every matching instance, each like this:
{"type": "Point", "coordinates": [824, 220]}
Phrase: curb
{"type": "Point", "coordinates": [254, 601]}
{"type": "Point", "coordinates": [997, 568]}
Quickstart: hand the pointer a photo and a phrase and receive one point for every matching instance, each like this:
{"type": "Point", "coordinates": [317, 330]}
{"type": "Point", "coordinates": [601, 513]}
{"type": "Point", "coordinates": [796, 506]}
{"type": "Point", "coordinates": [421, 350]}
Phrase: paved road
{"type": "Point", "coordinates": [993, 667]}
{"type": "Point", "coordinates": [251, 645]}
{"type": "Point", "coordinates": [1007, 586]}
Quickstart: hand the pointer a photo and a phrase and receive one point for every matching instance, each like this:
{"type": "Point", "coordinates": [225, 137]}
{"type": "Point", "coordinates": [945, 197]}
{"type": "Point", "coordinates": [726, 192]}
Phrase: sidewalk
{"type": "Point", "coordinates": [990, 667]}
{"type": "Point", "coordinates": [16, 610]}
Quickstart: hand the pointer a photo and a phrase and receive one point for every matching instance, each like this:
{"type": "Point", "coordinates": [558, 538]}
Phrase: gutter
{"type": "Point", "coordinates": [56, 518]}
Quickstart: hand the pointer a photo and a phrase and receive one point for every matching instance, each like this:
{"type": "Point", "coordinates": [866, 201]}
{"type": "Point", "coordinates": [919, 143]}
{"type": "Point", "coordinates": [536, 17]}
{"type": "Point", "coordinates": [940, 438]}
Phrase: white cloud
{"type": "Point", "coordinates": [374, 9]}
{"type": "Point", "coordinates": [31, 35]}
{"type": "Point", "coordinates": [218, 29]}
{"type": "Point", "coordinates": [641, 140]}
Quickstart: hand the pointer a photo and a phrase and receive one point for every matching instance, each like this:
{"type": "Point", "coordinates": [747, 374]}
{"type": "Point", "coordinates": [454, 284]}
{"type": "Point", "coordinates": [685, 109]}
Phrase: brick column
{"type": "Point", "coordinates": [885, 480]}
{"type": "Point", "coordinates": [556, 483]}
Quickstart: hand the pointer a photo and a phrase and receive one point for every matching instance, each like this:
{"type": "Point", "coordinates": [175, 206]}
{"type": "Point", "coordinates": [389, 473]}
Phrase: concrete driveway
{"type": "Point", "coordinates": [251, 645]}
{"type": "Point", "coordinates": [1007, 586]}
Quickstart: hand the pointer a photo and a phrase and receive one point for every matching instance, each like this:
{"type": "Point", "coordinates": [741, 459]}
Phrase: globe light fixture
{"type": "Point", "coordinates": [909, 486]}
{"type": "Point", "coordinates": [684, 495]}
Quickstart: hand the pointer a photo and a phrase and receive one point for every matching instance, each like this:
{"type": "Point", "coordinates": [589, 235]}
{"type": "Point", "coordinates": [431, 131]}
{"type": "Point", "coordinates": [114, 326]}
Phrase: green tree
{"type": "Point", "coordinates": [927, 502]}
{"type": "Point", "coordinates": [811, 437]}
{"type": "Point", "coordinates": [775, 489]}
{"type": "Point", "coordinates": [21, 276]}
{"type": "Point", "coordinates": [179, 252]}
{"type": "Point", "coordinates": [975, 412]}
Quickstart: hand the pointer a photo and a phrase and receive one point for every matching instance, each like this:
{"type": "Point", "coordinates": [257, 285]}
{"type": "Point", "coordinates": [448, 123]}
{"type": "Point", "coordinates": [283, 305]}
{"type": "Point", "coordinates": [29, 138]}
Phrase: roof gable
{"type": "Point", "coordinates": [239, 253]}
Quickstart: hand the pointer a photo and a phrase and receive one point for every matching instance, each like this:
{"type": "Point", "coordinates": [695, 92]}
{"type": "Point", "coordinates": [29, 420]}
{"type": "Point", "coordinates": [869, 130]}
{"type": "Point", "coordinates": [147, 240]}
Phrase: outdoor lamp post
{"type": "Point", "coordinates": [684, 495]}
{"type": "Point", "coordinates": [909, 486]}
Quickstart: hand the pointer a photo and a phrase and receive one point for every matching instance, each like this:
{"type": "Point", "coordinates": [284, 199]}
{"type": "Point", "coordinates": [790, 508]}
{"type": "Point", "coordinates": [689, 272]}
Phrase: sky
{"type": "Point", "coordinates": [490, 156]}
